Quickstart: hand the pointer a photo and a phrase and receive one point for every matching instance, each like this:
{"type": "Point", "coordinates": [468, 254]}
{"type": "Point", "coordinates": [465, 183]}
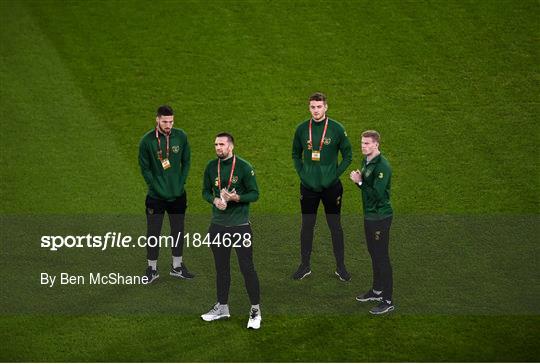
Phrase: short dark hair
{"type": "Point", "coordinates": [226, 135]}
{"type": "Point", "coordinates": [164, 110]}
{"type": "Point", "coordinates": [373, 134]}
{"type": "Point", "coordinates": [318, 96]}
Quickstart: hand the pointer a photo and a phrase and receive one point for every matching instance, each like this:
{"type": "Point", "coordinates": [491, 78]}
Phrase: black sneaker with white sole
{"type": "Point", "coordinates": [151, 275]}
{"type": "Point", "coordinates": [369, 296]}
{"type": "Point", "coordinates": [342, 274]}
{"type": "Point", "coordinates": [303, 271]}
{"type": "Point", "coordinates": [383, 307]}
{"type": "Point", "coordinates": [181, 272]}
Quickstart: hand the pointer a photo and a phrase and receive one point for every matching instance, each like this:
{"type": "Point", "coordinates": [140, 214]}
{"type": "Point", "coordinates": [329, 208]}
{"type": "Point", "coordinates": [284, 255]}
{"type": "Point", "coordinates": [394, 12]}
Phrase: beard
{"type": "Point", "coordinates": [222, 155]}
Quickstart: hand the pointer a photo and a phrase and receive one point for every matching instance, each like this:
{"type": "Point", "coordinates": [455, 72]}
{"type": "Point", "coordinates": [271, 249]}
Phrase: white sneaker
{"type": "Point", "coordinates": [255, 319]}
{"type": "Point", "coordinates": [217, 312]}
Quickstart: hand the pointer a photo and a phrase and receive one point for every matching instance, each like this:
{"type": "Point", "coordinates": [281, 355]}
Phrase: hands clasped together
{"type": "Point", "coordinates": [356, 176]}
{"type": "Point", "coordinates": [226, 196]}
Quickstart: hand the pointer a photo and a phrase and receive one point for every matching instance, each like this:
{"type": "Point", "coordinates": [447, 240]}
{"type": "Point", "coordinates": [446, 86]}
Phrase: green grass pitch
{"type": "Point", "coordinates": [453, 87]}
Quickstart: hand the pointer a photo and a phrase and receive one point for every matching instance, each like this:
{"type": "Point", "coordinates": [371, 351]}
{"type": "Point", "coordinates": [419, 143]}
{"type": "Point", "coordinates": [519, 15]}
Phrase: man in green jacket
{"type": "Point", "coordinates": [164, 158]}
{"type": "Point", "coordinates": [374, 179]}
{"type": "Point", "coordinates": [315, 149]}
{"type": "Point", "coordinates": [230, 185]}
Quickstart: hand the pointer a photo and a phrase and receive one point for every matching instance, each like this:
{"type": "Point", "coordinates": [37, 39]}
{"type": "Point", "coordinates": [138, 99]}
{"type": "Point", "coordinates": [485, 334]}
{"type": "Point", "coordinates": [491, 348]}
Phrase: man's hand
{"type": "Point", "coordinates": [356, 176]}
{"type": "Point", "coordinates": [230, 196]}
{"type": "Point", "coordinates": [220, 204]}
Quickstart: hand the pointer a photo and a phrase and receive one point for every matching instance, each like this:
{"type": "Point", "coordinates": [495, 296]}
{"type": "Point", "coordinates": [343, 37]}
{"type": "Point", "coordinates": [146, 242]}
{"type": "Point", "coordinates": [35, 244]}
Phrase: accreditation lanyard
{"type": "Point", "coordinates": [219, 173]}
{"type": "Point", "coordinates": [160, 153]}
{"type": "Point", "coordinates": [310, 142]}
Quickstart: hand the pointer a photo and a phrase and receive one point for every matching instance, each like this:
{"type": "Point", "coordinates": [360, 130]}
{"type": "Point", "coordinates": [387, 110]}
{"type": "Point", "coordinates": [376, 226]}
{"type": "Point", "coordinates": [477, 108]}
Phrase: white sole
{"type": "Point", "coordinates": [304, 276]}
{"type": "Point", "coordinates": [153, 279]}
{"type": "Point", "coordinates": [374, 299]}
{"type": "Point", "coordinates": [254, 327]}
{"type": "Point", "coordinates": [341, 279]}
{"type": "Point", "coordinates": [224, 317]}
{"type": "Point", "coordinates": [179, 275]}
{"type": "Point", "coordinates": [391, 308]}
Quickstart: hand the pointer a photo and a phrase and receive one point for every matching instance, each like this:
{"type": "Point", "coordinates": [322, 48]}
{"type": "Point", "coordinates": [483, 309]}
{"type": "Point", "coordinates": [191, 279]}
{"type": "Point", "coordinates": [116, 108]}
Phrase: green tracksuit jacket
{"type": "Point", "coordinates": [376, 183]}
{"type": "Point", "coordinates": [165, 184]}
{"type": "Point", "coordinates": [243, 181]}
{"type": "Point", "coordinates": [318, 175]}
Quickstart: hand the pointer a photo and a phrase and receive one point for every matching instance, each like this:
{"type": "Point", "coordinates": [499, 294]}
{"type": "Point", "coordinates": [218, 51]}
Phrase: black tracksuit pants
{"type": "Point", "coordinates": [309, 202]}
{"type": "Point", "coordinates": [378, 241]}
{"type": "Point", "coordinates": [155, 212]}
{"type": "Point", "coordinates": [222, 261]}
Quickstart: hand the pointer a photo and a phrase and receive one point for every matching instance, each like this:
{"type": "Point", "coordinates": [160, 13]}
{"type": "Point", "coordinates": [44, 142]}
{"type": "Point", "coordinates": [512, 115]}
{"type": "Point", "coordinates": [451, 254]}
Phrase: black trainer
{"type": "Point", "coordinates": [151, 275]}
{"type": "Point", "coordinates": [303, 271]}
{"type": "Point", "coordinates": [181, 272]}
{"type": "Point", "coordinates": [369, 296]}
{"type": "Point", "coordinates": [383, 307]}
{"type": "Point", "coordinates": [343, 274]}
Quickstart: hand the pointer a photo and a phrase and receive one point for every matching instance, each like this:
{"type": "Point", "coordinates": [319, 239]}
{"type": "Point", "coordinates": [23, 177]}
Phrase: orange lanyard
{"type": "Point", "coordinates": [160, 153]}
{"type": "Point", "coordinates": [219, 173]}
{"type": "Point", "coordinates": [310, 142]}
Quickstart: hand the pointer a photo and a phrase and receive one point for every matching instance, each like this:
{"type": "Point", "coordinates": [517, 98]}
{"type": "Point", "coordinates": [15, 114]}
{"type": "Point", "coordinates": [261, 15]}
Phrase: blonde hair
{"type": "Point", "coordinates": [373, 134]}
